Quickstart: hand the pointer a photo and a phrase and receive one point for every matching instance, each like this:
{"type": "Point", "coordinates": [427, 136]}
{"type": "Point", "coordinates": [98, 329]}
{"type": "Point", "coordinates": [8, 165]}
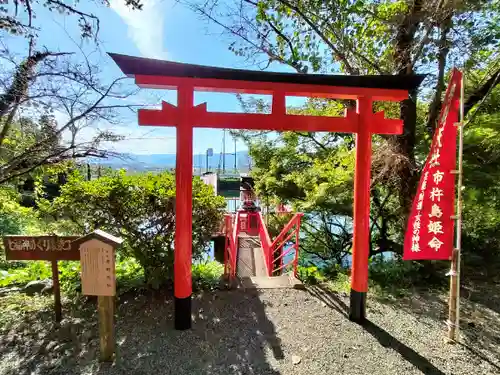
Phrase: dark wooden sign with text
{"type": "Point", "coordinates": [41, 248]}
{"type": "Point", "coordinates": [51, 248]}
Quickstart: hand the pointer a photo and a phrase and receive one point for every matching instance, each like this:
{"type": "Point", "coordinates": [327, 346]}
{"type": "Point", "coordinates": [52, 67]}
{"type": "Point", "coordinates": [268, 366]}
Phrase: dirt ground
{"type": "Point", "coordinates": [261, 332]}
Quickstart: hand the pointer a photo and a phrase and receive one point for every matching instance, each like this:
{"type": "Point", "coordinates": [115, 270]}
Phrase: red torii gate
{"type": "Point", "coordinates": [187, 78]}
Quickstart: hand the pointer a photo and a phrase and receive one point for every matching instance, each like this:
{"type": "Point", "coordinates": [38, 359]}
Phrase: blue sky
{"type": "Point", "coordinates": [163, 30]}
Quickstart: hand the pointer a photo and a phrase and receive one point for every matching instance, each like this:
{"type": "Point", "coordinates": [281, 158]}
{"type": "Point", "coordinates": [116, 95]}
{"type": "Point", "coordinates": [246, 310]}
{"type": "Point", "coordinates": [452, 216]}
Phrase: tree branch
{"type": "Point", "coordinates": [262, 48]}
{"type": "Point", "coordinates": [341, 56]}
{"type": "Point", "coordinates": [7, 124]}
{"type": "Point", "coordinates": [18, 89]}
{"type": "Point", "coordinates": [313, 138]}
{"type": "Point", "coordinates": [293, 63]}
{"type": "Point", "coordinates": [78, 12]}
{"type": "Point", "coordinates": [479, 94]}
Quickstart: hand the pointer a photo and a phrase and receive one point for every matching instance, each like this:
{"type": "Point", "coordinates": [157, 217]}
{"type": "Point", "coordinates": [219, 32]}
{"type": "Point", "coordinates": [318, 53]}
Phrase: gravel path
{"type": "Point", "coordinates": [263, 332]}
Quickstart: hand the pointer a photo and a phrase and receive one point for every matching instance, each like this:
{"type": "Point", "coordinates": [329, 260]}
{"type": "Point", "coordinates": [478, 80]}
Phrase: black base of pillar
{"type": "Point", "coordinates": [357, 311]}
{"type": "Point", "coordinates": [182, 312]}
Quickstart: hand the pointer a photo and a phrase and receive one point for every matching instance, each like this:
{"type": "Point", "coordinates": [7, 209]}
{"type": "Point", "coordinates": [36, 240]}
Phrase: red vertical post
{"type": "Point", "coordinates": [183, 211]}
{"type": "Point", "coordinates": [227, 232]}
{"type": "Point", "coordinates": [297, 245]}
{"type": "Point", "coordinates": [361, 226]}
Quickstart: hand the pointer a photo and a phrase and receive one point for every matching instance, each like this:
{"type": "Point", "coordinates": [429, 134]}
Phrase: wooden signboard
{"type": "Point", "coordinates": [97, 258]}
{"type": "Point", "coordinates": [98, 268]}
{"type": "Point", "coordinates": [40, 248]}
{"type": "Point", "coordinates": [51, 248]}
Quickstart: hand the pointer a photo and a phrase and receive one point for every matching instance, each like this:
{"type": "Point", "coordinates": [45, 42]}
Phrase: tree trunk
{"type": "Point", "coordinates": [10, 100]}
{"type": "Point", "coordinates": [435, 106]}
{"type": "Point", "coordinates": [404, 145]}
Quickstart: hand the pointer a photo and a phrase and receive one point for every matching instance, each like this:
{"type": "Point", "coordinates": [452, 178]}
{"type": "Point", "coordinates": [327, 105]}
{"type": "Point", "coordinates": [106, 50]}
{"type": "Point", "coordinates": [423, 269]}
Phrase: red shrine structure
{"type": "Point", "coordinates": [187, 78]}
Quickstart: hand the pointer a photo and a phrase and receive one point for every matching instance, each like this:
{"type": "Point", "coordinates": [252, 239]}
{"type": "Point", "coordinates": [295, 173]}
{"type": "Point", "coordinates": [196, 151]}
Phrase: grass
{"type": "Point", "coordinates": [15, 306]}
{"type": "Point", "coordinates": [387, 278]}
{"type": "Point", "coordinates": [129, 275]}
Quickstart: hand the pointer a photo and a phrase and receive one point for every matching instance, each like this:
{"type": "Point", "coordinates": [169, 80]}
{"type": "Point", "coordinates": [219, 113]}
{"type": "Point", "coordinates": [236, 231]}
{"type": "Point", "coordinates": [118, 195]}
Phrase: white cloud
{"type": "Point", "coordinates": [146, 141]}
{"type": "Point", "coordinates": [145, 27]}
{"type": "Point", "coordinates": [137, 139]}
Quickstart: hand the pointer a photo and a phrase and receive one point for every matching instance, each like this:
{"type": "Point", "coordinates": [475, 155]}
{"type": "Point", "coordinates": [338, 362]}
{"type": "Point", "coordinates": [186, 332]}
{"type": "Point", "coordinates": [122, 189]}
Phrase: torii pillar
{"type": "Point", "coordinates": [183, 210]}
{"type": "Point", "coordinates": [361, 215]}
{"type": "Point", "coordinates": [186, 78]}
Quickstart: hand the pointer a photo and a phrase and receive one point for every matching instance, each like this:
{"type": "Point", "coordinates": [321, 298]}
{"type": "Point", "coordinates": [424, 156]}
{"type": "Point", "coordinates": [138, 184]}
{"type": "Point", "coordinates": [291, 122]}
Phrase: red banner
{"type": "Point", "coordinates": [430, 230]}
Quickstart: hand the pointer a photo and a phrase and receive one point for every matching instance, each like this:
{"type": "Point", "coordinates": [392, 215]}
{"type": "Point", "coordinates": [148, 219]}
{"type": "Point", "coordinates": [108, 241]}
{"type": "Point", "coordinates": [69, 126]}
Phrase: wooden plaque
{"type": "Point", "coordinates": [40, 248]}
{"type": "Point", "coordinates": [97, 259]}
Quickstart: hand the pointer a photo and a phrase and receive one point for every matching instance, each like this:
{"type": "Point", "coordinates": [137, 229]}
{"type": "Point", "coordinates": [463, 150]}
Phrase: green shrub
{"type": "Point", "coordinates": [206, 276]}
{"type": "Point", "coordinates": [309, 275]}
{"type": "Point", "coordinates": [22, 275]}
{"type": "Point", "coordinates": [397, 276]}
{"type": "Point", "coordinates": [69, 277]}
{"type": "Point", "coordinates": [140, 208]}
{"type": "Point", "coordinates": [129, 275]}
{"type": "Point", "coordinates": [14, 218]}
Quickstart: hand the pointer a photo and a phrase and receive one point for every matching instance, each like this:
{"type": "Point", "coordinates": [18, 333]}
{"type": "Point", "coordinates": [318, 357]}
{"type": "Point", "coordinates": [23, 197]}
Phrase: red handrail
{"type": "Point", "coordinates": [230, 253]}
{"type": "Point", "coordinates": [271, 247]}
{"type": "Point", "coordinates": [282, 239]}
{"type": "Point", "coordinates": [234, 248]}
{"type": "Point", "coordinates": [266, 243]}
{"type": "Point", "coordinates": [287, 227]}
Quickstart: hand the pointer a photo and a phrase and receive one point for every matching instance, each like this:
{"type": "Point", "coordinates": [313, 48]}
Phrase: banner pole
{"type": "Point", "coordinates": [454, 302]}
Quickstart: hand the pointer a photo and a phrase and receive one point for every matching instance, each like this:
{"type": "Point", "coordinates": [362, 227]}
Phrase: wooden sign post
{"type": "Point", "coordinates": [52, 248]}
{"type": "Point", "coordinates": [97, 258]}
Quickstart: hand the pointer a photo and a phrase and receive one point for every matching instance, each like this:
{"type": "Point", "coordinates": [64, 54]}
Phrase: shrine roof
{"type": "Point", "coordinates": [139, 66]}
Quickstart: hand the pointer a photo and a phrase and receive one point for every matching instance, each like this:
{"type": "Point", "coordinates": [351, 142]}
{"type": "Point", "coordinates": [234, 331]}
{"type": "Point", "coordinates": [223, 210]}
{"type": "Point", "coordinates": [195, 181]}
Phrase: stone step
{"type": "Point", "coordinates": [259, 262]}
{"type": "Point", "coordinates": [245, 264]}
{"type": "Point", "coordinates": [274, 282]}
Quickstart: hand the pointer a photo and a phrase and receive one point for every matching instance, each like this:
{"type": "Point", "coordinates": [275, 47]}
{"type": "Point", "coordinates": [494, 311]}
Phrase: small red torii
{"type": "Point", "coordinates": [187, 78]}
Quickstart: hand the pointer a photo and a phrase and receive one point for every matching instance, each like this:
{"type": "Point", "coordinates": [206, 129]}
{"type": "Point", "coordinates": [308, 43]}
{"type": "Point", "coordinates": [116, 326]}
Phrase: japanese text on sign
{"type": "Point", "coordinates": [98, 268]}
{"type": "Point", "coordinates": [431, 224]}
{"type": "Point", "coordinates": [40, 248]}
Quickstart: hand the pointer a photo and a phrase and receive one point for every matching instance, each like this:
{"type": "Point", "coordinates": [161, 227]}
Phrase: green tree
{"type": "Point", "coordinates": [141, 209]}
{"type": "Point", "coordinates": [481, 175]}
{"type": "Point", "coordinates": [14, 219]}
{"type": "Point", "coordinates": [42, 84]}
{"type": "Point", "coordinates": [402, 37]}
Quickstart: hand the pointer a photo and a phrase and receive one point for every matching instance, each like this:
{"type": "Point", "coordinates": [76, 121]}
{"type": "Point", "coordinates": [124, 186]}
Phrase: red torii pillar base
{"type": "Point", "coordinates": [182, 312]}
{"type": "Point", "coordinates": [361, 225]}
{"type": "Point", "coordinates": [357, 309]}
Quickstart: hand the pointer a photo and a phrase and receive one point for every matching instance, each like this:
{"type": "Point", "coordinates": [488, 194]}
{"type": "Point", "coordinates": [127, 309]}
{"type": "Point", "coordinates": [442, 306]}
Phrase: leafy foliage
{"type": "Point", "coordinates": [14, 219]}
{"type": "Point", "coordinates": [207, 275]}
{"type": "Point", "coordinates": [141, 209]}
{"type": "Point", "coordinates": [129, 275]}
{"type": "Point", "coordinates": [22, 275]}
{"type": "Point", "coordinates": [309, 275]}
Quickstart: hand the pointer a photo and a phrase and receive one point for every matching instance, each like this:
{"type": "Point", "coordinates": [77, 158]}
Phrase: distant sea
{"type": "Point", "coordinates": [155, 162]}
